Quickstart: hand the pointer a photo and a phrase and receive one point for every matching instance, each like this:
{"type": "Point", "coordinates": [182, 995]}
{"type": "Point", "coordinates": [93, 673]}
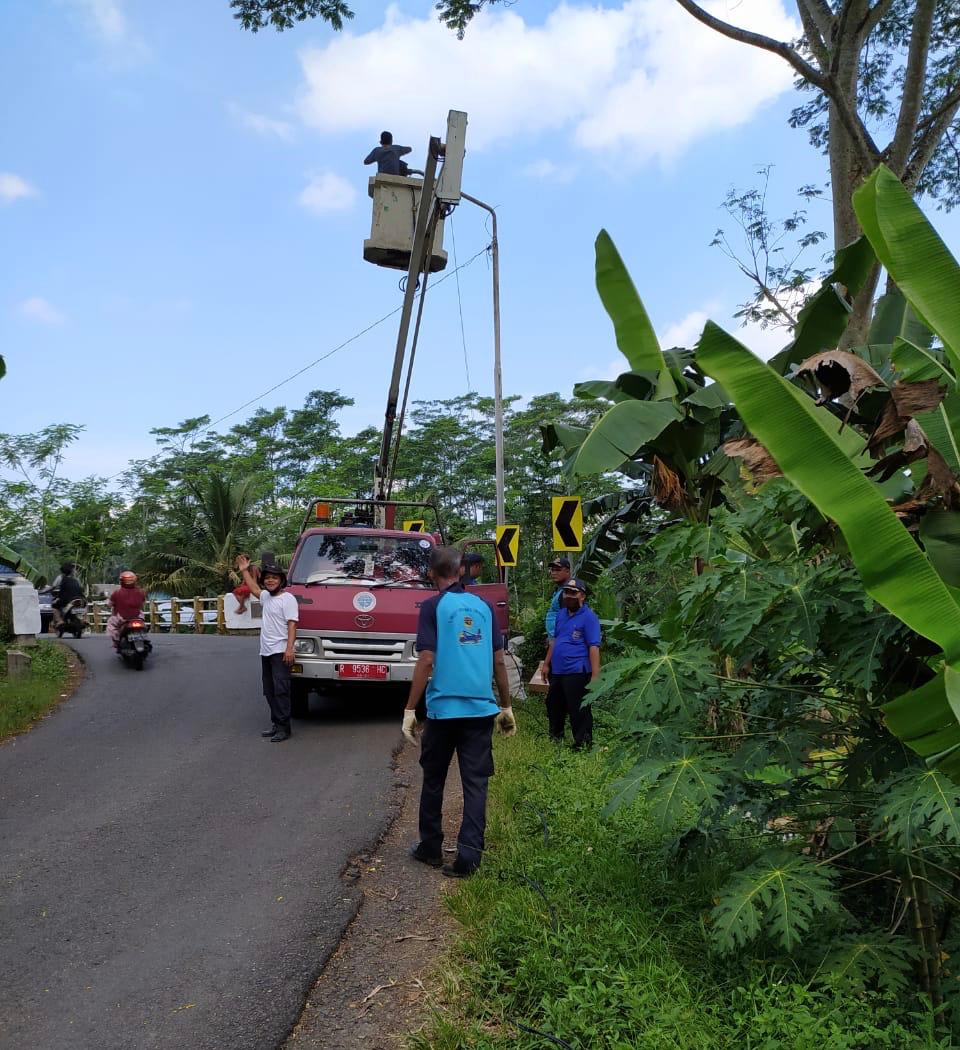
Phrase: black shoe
{"type": "Point", "coordinates": [269, 732]}
{"type": "Point", "coordinates": [434, 860]}
{"type": "Point", "coordinates": [279, 736]}
{"type": "Point", "coordinates": [459, 870]}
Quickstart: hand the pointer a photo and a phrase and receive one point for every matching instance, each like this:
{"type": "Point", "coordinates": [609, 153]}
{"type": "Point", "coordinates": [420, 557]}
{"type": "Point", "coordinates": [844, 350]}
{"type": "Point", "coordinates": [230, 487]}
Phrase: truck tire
{"type": "Point", "coordinates": [299, 700]}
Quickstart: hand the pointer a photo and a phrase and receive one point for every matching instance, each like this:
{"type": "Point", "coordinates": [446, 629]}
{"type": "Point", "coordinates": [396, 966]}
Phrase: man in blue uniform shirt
{"type": "Point", "coordinates": [559, 570]}
{"type": "Point", "coordinates": [460, 651]}
{"type": "Point", "coordinates": [571, 664]}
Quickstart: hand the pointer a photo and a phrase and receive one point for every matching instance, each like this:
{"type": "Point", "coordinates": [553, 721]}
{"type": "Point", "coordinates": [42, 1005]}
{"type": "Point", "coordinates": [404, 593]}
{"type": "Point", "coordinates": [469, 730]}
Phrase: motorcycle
{"type": "Point", "coordinates": [134, 646]}
{"type": "Point", "coordinates": [74, 618]}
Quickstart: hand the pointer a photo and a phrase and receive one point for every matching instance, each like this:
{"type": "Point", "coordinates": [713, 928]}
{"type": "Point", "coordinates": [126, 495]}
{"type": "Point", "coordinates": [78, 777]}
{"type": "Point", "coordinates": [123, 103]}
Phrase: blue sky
{"type": "Point", "coordinates": [183, 205]}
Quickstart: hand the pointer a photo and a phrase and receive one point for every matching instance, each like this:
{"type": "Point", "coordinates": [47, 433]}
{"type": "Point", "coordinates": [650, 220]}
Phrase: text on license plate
{"type": "Point", "coordinates": [375, 671]}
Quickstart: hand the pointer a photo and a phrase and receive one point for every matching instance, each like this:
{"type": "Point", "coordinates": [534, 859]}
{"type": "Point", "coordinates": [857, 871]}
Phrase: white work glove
{"type": "Point", "coordinates": [410, 726]}
{"type": "Point", "coordinates": [505, 722]}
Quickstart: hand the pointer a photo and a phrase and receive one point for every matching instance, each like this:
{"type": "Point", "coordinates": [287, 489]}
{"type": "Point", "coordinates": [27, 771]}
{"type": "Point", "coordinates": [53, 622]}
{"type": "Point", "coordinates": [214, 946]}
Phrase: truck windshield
{"type": "Point", "coordinates": [345, 559]}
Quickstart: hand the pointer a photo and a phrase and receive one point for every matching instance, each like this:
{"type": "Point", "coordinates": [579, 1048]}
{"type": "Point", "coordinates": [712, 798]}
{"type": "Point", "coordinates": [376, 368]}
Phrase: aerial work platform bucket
{"type": "Point", "coordinates": [395, 201]}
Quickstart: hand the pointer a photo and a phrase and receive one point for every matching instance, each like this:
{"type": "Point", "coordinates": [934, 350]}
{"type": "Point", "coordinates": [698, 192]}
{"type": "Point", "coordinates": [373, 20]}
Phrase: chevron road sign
{"type": "Point", "coordinates": [567, 523]}
{"type": "Point", "coordinates": [415, 525]}
{"type": "Point", "coordinates": [508, 540]}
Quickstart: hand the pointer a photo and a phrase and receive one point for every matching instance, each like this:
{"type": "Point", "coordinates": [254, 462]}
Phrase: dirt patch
{"type": "Point", "coordinates": [379, 984]}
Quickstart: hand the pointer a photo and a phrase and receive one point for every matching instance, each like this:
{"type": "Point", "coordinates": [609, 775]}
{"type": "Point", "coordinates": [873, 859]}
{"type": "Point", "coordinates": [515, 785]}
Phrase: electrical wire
{"type": "Point", "coordinates": [463, 334]}
{"type": "Point", "coordinates": [316, 361]}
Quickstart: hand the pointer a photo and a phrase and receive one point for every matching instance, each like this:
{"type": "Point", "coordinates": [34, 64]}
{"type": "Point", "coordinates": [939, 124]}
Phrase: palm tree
{"type": "Point", "coordinates": [223, 526]}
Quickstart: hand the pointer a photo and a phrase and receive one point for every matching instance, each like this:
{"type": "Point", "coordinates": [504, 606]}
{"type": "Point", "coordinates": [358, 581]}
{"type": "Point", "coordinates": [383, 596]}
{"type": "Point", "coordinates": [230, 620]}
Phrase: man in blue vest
{"type": "Point", "coordinates": [571, 664]}
{"type": "Point", "coordinates": [460, 654]}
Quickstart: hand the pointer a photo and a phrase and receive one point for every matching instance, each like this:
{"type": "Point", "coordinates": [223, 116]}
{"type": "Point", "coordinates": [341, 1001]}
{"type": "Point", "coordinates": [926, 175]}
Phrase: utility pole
{"type": "Point", "coordinates": [497, 380]}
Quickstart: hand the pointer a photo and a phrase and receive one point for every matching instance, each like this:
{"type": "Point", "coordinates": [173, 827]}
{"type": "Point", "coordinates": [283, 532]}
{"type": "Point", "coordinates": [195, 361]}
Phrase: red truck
{"type": "Point", "coordinates": [360, 583]}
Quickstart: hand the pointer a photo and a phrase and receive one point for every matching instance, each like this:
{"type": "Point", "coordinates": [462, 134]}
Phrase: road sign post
{"type": "Point", "coordinates": [567, 523]}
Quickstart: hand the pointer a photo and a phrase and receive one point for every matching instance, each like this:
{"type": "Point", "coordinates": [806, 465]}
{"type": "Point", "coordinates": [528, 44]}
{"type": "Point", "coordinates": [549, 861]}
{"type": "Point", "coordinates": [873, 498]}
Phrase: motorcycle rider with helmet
{"type": "Point", "coordinates": [127, 601]}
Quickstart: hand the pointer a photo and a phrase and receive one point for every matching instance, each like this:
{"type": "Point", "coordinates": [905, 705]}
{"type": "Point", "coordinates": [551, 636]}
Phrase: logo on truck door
{"type": "Point", "coordinates": [364, 602]}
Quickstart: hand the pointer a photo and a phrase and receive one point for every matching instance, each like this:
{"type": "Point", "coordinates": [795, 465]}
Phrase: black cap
{"type": "Point", "coordinates": [473, 559]}
{"type": "Point", "coordinates": [560, 563]}
{"type": "Point", "coordinates": [574, 584]}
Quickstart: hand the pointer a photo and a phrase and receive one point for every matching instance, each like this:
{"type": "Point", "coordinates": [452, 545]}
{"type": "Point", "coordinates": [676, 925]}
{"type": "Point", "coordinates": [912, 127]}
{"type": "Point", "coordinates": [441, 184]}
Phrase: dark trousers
{"type": "Point", "coordinates": [472, 740]}
{"type": "Point", "coordinates": [276, 688]}
{"type": "Point", "coordinates": [564, 699]}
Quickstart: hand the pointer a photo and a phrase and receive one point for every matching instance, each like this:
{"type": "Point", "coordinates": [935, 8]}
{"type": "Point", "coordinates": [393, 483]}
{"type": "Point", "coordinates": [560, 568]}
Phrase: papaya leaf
{"type": "Point", "coordinates": [677, 789]}
{"type": "Point", "coordinates": [919, 805]}
{"type": "Point", "coordinates": [776, 897]}
{"type": "Point", "coordinates": [881, 959]}
{"type": "Point", "coordinates": [635, 335]}
{"type": "Point", "coordinates": [670, 679]}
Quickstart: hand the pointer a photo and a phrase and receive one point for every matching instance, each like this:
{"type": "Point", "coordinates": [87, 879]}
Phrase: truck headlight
{"type": "Point", "coordinates": [304, 645]}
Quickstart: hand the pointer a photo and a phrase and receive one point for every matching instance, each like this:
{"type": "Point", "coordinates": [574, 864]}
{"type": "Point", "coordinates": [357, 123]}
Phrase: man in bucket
{"type": "Point", "coordinates": [278, 631]}
{"type": "Point", "coordinates": [460, 651]}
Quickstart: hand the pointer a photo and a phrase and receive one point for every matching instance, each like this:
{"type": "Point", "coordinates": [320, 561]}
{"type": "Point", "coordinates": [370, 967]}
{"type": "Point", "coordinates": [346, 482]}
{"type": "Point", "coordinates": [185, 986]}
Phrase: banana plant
{"type": "Point", "coordinates": [14, 561]}
{"type": "Point", "coordinates": [914, 584]}
{"type": "Point", "coordinates": [662, 431]}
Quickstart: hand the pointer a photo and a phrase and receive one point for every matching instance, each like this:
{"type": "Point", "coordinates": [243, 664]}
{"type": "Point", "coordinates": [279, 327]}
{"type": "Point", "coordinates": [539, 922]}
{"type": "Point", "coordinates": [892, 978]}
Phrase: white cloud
{"type": "Point", "coordinates": [327, 193]}
{"type": "Point", "coordinates": [260, 123]}
{"type": "Point", "coordinates": [37, 309]}
{"type": "Point", "coordinates": [638, 82]}
{"type": "Point", "coordinates": [107, 19]}
{"type": "Point", "coordinates": [13, 188]}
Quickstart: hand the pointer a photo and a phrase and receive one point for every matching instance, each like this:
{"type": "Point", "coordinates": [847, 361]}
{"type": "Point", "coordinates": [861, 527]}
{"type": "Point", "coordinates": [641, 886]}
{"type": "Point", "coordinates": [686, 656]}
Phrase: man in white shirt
{"type": "Point", "coordinates": [278, 630]}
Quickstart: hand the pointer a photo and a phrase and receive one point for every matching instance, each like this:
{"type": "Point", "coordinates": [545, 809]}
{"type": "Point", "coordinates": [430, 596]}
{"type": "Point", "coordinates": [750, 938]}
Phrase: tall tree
{"type": "Point", "coordinates": [875, 68]}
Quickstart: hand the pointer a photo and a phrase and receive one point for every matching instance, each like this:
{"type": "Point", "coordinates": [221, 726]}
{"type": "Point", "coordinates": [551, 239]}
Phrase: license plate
{"type": "Point", "coordinates": [378, 672]}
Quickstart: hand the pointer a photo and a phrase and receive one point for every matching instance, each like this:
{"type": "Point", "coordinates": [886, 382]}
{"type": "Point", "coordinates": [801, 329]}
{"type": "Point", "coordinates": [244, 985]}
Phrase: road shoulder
{"type": "Point", "coordinates": [379, 984]}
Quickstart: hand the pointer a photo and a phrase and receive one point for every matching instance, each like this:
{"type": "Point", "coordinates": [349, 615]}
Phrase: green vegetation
{"type": "Point", "coordinates": [28, 697]}
{"type": "Point", "coordinates": [577, 928]}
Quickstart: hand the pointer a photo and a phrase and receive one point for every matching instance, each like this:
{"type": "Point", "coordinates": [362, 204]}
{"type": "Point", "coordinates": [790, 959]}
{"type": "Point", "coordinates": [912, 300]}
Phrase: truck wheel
{"type": "Point", "coordinates": [299, 700]}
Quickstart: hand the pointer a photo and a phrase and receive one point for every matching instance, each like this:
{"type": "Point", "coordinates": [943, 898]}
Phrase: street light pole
{"type": "Point", "coordinates": [497, 381]}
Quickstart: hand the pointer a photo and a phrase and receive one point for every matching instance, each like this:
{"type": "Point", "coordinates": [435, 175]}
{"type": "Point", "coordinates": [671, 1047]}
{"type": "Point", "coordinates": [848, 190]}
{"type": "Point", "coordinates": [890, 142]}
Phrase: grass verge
{"type": "Point", "coordinates": [28, 697]}
{"type": "Point", "coordinates": [576, 934]}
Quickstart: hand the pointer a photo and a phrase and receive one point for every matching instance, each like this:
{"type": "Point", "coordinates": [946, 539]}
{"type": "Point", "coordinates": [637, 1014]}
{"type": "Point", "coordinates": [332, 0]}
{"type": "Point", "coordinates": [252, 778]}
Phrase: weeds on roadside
{"type": "Point", "coordinates": [24, 699]}
{"type": "Point", "coordinates": [575, 933]}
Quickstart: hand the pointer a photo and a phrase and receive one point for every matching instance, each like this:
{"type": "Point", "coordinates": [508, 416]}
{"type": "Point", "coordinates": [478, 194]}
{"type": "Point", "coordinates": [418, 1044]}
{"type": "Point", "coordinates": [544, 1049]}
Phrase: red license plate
{"type": "Point", "coordinates": [378, 672]}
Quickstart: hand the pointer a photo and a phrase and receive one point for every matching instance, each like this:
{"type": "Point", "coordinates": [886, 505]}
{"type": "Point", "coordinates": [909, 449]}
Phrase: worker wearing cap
{"type": "Point", "coordinates": [571, 664]}
{"type": "Point", "coordinates": [559, 570]}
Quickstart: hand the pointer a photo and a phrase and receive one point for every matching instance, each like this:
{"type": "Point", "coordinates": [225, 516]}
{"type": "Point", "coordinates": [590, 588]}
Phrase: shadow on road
{"type": "Point", "coordinates": [352, 706]}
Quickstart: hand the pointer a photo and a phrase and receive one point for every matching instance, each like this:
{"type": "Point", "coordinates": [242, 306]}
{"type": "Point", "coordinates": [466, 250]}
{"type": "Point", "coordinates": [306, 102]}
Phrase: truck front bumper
{"type": "Point", "coordinates": [336, 656]}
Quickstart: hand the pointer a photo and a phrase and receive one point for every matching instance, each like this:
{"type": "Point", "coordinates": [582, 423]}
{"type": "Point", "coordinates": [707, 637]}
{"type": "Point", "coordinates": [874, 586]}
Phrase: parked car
{"type": "Point", "coordinates": [185, 615]}
{"type": "Point", "coordinates": [45, 598]}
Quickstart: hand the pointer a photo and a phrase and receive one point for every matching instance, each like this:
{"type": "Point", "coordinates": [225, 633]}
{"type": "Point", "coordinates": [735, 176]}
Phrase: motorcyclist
{"type": "Point", "coordinates": [127, 602]}
{"type": "Point", "coordinates": [66, 587]}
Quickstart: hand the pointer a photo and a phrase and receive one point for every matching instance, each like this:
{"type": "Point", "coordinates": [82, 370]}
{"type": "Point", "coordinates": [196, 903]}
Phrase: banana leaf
{"type": "Point", "coordinates": [914, 255]}
{"type": "Point", "coordinates": [942, 427]}
{"type": "Point", "coordinates": [620, 433]}
{"type": "Point", "coordinates": [893, 319]}
{"type": "Point", "coordinates": [914, 363]}
{"type": "Point", "coordinates": [803, 440]}
{"type": "Point", "coordinates": [940, 534]}
{"type": "Point", "coordinates": [824, 317]}
{"type": "Point", "coordinates": [635, 335]}
{"type": "Point", "coordinates": [14, 561]}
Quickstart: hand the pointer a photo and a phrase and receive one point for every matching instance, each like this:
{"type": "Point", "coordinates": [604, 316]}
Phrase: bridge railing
{"type": "Point", "coordinates": [187, 615]}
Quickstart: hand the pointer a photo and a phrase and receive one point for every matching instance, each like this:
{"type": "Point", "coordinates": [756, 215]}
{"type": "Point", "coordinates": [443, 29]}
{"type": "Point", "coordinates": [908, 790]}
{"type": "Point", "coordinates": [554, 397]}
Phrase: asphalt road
{"type": "Point", "coordinates": [167, 877]}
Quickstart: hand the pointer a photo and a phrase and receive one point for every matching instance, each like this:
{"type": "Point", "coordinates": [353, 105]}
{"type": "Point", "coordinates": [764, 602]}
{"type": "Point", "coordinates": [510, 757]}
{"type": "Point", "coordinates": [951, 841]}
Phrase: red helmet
{"type": "Point", "coordinates": [128, 579]}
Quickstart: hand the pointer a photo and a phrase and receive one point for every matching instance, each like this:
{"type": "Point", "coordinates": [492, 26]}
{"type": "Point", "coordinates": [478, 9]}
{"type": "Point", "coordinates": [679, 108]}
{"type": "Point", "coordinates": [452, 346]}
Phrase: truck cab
{"type": "Point", "coordinates": [359, 588]}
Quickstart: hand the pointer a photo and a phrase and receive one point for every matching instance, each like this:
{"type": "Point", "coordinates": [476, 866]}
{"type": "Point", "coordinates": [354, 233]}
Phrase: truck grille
{"type": "Point", "coordinates": [363, 650]}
